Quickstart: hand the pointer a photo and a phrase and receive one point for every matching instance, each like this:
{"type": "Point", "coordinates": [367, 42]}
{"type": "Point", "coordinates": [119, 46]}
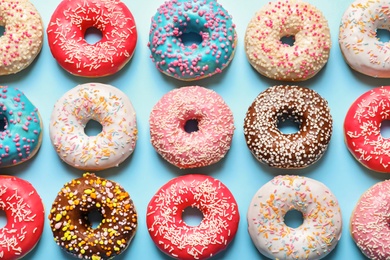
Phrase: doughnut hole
{"type": "Point", "coordinates": [288, 122]}
{"type": "Point", "coordinates": [191, 126]}
{"type": "Point", "coordinates": [191, 39]}
{"type": "Point", "coordinates": [93, 35]}
{"type": "Point", "coordinates": [192, 34]}
{"type": "Point", "coordinates": [192, 216]}
{"type": "Point", "coordinates": [94, 218]}
{"type": "Point", "coordinates": [3, 123]}
{"type": "Point", "coordinates": [288, 40]}
{"type": "Point", "coordinates": [293, 218]}
{"type": "Point", "coordinates": [3, 219]}
{"type": "Point", "coordinates": [383, 35]}
{"type": "Point", "coordinates": [385, 129]}
{"type": "Point", "coordinates": [2, 30]}
{"type": "Point", "coordinates": [93, 128]}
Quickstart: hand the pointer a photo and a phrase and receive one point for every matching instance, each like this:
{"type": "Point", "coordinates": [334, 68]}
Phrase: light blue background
{"type": "Point", "coordinates": [145, 171]}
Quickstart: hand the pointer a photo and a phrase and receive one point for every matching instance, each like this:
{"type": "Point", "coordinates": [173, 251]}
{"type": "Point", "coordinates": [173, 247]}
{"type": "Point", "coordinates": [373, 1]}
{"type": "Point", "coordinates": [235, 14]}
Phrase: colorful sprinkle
{"type": "Point", "coordinates": [210, 21]}
{"type": "Point", "coordinates": [322, 221]}
{"type": "Point", "coordinates": [277, 60]}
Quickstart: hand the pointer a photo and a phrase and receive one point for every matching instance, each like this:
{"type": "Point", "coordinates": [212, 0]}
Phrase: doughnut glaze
{"type": "Point", "coordinates": [66, 32]}
{"type": "Point", "coordinates": [369, 223]}
{"type": "Point", "coordinates": [277, 60]}
{"type": "Point", "coordinates": [108, 106]}
{"type": "Point", "coordinates": [25, 215]}
{"type": "Point", "coordinates": [21, 137]}
{"type": "Point", "coordinates": [322, 221]}
{"type": "Point", "coordinates": [71, 226]}
{"type": "Point", "coordinates": [23, 35]}
{"type": "Point", "coordinates": [203, 147]}
{"type": "Point", "coordinates": [362, 125]}
{"type": "Point", "coordinates": [207, 19]}
{"type": "Point", "coordinates": [177, 239]}
{"type": "Point", "coordinates": [359, 43]}
{"type": "Point", "coordinates": [296, 150]}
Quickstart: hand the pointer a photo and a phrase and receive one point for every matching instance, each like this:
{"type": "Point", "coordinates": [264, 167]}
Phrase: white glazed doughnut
{"type": "Point", "coordinates": [105, 104]}
{"type": "Point", "coordinates": [271, 57]}
{"type": "Point", "coordinates": [23, 36]}
{"type": "Point", "coordinates": [322, 223]}
{"type": "Point", "coordinates": [358, 41]}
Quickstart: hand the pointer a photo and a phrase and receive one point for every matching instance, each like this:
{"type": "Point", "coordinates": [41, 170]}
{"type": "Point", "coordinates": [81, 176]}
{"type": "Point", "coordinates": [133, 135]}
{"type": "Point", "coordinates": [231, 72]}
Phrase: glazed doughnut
{"type": "Point", "coordinates": [361, 48]}
{"type": "Point", "coordinates": [67, 28]}
{"type": "Point", "coordinates": [207, 19]}
{"type": "Point", "coordinates": [369, 223]}
{"type": "Point", "coordinates": [108, 106]}
{"type": "Point", "coordinates": [177, 239]}
{"type": "Point", "coordinates": [297, 150]}
{"type": "Point", "coordinates": [203, 147]}
{"type": "Point", "coordinates": [21, 136]}
{"type": "Point", "coordinates": [362, 129]}
{"type": "Point", "coordinates": [23, 35]}
{"type": "Point", "coordinates": [72, 229]}
{"type": "Point", "coordinates": [288, 18]}
{"type": "Point", "coordinates": [25, 215]}
{"type": "Point", "coordinates": [316, 237]}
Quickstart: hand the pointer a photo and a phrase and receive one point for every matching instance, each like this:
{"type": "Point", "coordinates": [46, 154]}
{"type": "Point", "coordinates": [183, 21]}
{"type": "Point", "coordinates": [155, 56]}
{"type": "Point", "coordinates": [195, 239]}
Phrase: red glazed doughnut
{"type": "Point", "coordinates": [362, 129]}
{"type": "Point", "coordinates": [67, 28]}
{"type": "Point", "coordinates": [24, 211]}
{"type": "Point", "coordinates": [173, 236]}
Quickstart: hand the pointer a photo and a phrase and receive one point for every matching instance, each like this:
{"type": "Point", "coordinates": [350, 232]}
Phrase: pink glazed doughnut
{"type": "Point", "coordinates": [362, 129]}
{"type": "Point", "coordinates": [369, 223]}
{"type": "Point", "coordinates": [203, 147]}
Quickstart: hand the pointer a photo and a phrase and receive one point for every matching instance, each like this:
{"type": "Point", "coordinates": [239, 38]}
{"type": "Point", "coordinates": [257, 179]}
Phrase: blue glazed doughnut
{"type": "Point", "coordinates": [21, 131]}
{"type": "Point", "coordinates": [177, 19]}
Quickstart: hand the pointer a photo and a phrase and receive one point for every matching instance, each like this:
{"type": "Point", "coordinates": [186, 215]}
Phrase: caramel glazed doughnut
{"type": "Point", "coordinates": [72, 229]}
{"type": "Point", "coordinates": [23, 36]}
{"type": "Point", "coordinates": [271, 57]}
{"type": "Point", "coordinates": [298, 150]}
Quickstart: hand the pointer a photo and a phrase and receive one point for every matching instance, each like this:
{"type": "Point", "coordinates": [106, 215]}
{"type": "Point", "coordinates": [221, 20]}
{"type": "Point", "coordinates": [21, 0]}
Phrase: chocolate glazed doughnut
{"type": "Point", "coordinates": [297, 150]}
{"type": "Point", "coordinates": [71, 226]}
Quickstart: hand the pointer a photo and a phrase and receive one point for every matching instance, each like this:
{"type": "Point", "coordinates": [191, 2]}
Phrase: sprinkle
{"type": "Point", "coordinates": [174, 57]}
{"type": "Point", "coordinates": [271, 57]}
{"type": "Point", "coordinates": [277, 104]}
{"type": "Point", "coordinates": [318, 234]}
{"type": "Point", "coordinates": [173, 236]}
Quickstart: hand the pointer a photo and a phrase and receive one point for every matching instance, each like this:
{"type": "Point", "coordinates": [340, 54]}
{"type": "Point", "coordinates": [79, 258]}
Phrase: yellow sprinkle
{"type": "Point", "coordinates": [58, 217]}
{"type": "Point", "coordinates": [82, 251]}
{"type": "Point", "coordinates": [87, 191]}
{"type": "Point", "coordinates": [95, 257]}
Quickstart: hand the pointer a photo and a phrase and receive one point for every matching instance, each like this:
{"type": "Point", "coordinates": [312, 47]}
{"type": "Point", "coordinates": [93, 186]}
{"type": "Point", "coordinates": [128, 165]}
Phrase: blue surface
{"type": "Point", "coordinates": [145, 171]}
